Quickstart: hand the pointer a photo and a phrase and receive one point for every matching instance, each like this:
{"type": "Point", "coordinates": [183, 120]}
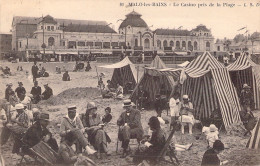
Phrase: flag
{"type": "Point", "coordinates": [241, 29]}
{"type": "Point", "coordinates": [180, 27]}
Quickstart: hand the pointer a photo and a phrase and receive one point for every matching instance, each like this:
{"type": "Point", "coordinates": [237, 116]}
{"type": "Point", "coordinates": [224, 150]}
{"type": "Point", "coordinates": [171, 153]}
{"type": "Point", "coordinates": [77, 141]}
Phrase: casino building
{"type": "Point", "coordinates": [53, 36]}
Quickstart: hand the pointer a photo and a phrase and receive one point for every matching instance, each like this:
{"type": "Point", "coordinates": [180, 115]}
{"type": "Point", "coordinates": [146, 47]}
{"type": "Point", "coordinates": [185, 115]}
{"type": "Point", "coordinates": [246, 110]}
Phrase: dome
{"type": "Point", "coordinates": [133, 19]}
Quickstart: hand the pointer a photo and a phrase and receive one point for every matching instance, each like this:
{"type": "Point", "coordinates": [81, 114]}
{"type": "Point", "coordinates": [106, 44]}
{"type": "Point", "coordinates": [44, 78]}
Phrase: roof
{"type": "Point", "coordinates": [133, 19]}
{"type": "Point", "coordinates": [202, 65]}
{"type": "Point", "coordinates": [88, 28]}
{"type": "Point", "coordinates": [49, 19]}
{"type": "Point", "coordinates": [173, 32]}
{"type": "Point", "coordinates": [243, 62]}
{"type": "Point", "coordinates": [66, 22]}
{"type": "Point", "coordinates": [201, 28]}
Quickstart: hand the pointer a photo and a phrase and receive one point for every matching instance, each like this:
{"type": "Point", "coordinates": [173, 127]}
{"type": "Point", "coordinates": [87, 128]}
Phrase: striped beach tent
{"type": "Point", "coordinates": [152, 81]}
{"type": "Point", "coordinates": [209, 87]}
{"type": "Point", "coordinates": [254, 140]}
{"type": "Point", "coordinates": [124, 72]}
{"type": "Point", "coordinates": [245, 71]}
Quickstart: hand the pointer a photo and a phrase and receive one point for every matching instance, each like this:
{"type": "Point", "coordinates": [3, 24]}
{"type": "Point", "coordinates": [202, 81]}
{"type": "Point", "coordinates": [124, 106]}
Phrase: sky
{"type": "Point", "coordinates": [224, 20]}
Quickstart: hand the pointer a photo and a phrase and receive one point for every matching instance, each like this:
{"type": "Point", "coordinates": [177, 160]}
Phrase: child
{"type": "Point", "coordinates": [107, 117]}
{"type": "Point", "coordinates": [212, 136]}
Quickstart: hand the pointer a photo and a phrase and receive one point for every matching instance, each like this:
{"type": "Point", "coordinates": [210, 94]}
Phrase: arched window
{"type": "Point", "coordinates": [207, 46]}
{"type": "Point", "coordinates": [195, 45]}
{"type": "Point", "coordinates": [183, 45]}
{"type": "Point", "coordinates": [136, 42]}
{"type": "Point", "coordinates": [159, 44]}
{"type": "Point", "coordinates": [171, 44]}
{"type": "Point", "coordinates": [146, 43]}
{"type": "Point", "coordinates": [189, 46]}
{"type": "Point", "coordinates": [51, 41]}
{"type": "Point", "coordinates": [165, 44]}
{"type": "Point", "coordinates": [178, 46]}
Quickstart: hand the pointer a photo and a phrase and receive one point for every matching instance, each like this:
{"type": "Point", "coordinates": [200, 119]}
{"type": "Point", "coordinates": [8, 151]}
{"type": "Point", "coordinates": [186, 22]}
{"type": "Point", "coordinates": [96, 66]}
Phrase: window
{"type": "Point", "coordinates": [146, 43]}
{"type": "Point", "coordinates": [183, 44]}
{"type": "Point", "coordinates": [52, 28]}
{"type": "Point", "coordinates": [195, 45]}
{"type": "Point", "coordinates": [159, 44]}
{"type": "Point", "coordinates": [178, 46]}
{"type": "Point", "coordinates": [48, 28]}
{"type": "Point", "coordinates": [41, 27]}
{"type": "Point", "coordinates": [63, 43]}
{"type": "Point", "coordinates": [136, 42]}
{"type": "Point", "coordinates": [51, 41]}
{"type": "Point", "coordinates": [207, 46]}
{"type": "Point", "coordinates": [165, 44]}
{"type": "Point", "coordinates": [171, 44]}
{"type": "Point", "coordinates": [218, 48]}
{"type": "Point", "coordinates": [20, 43]}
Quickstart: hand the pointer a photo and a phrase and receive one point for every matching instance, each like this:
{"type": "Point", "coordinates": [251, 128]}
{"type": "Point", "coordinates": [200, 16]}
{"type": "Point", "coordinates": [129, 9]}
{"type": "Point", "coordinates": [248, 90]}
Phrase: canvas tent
{"type": "Point", "coordinates": [124, 72]}
{"type": "Point", "coordinates": [245, 71]}
{"type": "Point", "coordinates": [152, 82]}
{"type": "Point", "coordinates": [208, 84]}
{"type": "Point", "coordinates": [254, 140]}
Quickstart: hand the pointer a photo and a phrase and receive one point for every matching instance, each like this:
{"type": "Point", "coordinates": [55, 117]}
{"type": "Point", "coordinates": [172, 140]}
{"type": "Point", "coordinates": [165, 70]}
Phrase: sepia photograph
{"type": "Point", "coordinates": [122, 82]}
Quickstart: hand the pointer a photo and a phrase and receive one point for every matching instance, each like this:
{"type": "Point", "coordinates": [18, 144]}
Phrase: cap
{"type": "Point", "coordinates": [185, 97]}
{"type": "Point", "coordinates": [19, 106]}
{"type": "Point", "coordinates": [91, 105]}
{"type": "Point", "coordinates": [72, 108]}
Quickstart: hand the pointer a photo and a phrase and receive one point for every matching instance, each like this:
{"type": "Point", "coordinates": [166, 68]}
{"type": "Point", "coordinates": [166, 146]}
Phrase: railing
{"type": "Point", "coordinates": [148, 59]}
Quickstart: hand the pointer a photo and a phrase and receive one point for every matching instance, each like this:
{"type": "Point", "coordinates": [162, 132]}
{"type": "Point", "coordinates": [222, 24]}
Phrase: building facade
{"type": "Point", "coordinates": [5, 44]}
{"type": "Point", "coordinates": [50, 35]}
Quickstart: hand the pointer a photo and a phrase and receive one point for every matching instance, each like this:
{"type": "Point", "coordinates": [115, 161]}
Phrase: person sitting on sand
{"type": "Point", "coordinates": [47, 93]}
{"type": "Point", "coordinates": [109, 91]}
{"type": "Point", "coordinates": [36, 92]}
{"type": "Point", "coordinates": [39, 132]}
{"type": "Point", "coordinates": [71, 123]}
{"type": "Point", "coordinates": [88, 67]}
{"type": "Point", "coordinates": [68, 156]}
{"type": "Point", "coordinates": [20, 90]}
{"type": "Point", "coordinates": [210, 157]}
{"type": "Point", "coordinates": [119, 92]}
{"type": "Point", "coordinates": [94, 127]}
{"type": "Point", "coordinates": [66, 76]}
{"type": "Point", "coordinates": [212, 135]}
{"type": "Point", "coordinates": [107, 117]}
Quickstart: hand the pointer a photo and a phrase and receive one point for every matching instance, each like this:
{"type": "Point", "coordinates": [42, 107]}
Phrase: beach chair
{"type": "Point", "coordinates": [44, 154]}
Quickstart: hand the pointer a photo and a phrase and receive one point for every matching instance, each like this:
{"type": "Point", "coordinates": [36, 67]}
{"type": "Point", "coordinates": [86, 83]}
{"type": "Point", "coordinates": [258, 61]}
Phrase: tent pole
{"type": "Point", "coordinates": [136, 102]}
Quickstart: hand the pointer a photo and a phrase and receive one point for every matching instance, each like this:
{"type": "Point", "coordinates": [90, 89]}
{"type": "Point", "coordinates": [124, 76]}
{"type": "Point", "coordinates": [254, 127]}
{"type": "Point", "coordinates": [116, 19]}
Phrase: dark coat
{"type": "Point", "coordinates": [7, 93]}
{"type": "Point", "coordinates": [20, 92]}
{"type": "Point", "coordinates": [66, 77]}
{"type": "Point", "coordinates": [133, 120]}
{"type": "Point", "coordinates": [36, 133]}
{"type": "Point", "coordinates": [35, 70]}
{"type": "Point", "coordinates": [36, 91]}
{"type": "Point", "coordinates": [47, 93]}
{"type": "Point", "coordinates": [210, 158]}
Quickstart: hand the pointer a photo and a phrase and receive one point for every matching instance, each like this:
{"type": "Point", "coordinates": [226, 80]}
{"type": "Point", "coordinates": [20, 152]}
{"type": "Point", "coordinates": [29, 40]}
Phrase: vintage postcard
{"type": "Point", "coordinates": [129, 82]}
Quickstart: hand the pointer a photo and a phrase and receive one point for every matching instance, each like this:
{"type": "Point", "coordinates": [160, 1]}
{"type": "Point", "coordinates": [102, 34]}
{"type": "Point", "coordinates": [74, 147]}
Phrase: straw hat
{"type": "Point", "coordinates": [246, 86]}
{"type": "Point", "coordinates": [19, 106]}
{"type": "Point", "coordinates": [72, 108]}
{"type": "Point", "coordinates": [185, 97]}
{"type": "Point", "coordinates": [128, 103]}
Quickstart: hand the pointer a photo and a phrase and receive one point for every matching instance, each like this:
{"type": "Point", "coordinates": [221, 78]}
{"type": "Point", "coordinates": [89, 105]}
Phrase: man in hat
{"type": "Point", "coordinates": [36, 92]}
{"type": "Point", "coordinates": [186, 114]}
{"type": "Point", "coordinates": [47, 92]}
{"type": "Point", "coordinates": [210, 157]}
{"type": "Point", "coordinates": [72, 123]}
{"type": "Point", "coordinates": [20, 91]}
{"type": "Point", "coordinates": [39, 132]}
{"type": "Point", "coordinates": [66, 76]}
{"type": "Point", "coordinates": [93, 124]}
{"type": "Point", "coordinates": [246, 97]}
{"type": "Point", "coordinates": [130, 125]}
{"type": "Point", "coordinates": [35, 70]}
{"type": "Point", "coordinates": [8, 90]}
{"type": "Point", "coordinates": [143, 97]}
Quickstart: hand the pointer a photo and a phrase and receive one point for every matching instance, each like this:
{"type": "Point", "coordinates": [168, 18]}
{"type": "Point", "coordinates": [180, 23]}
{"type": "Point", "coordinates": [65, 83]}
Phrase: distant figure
{"type": "Point", "coordinates": [119, 92]}
{"type": "Point", "coordinates": [246, 97]}
{"type": "Point", "coordinates": [35, 70]}
{"type": "Point", "coordinates": [58, 70]}
{"type": "Point", "coordinates": [158, 105]}
{"type": "Point", "coordinates": [107, 117]}
{"type": "Point", "coordinates": [7, 71]}
{"type": "Point", "coordinates": [47, 93]}
{"type": "Point", "coordinates": [212, 135]}
{"type": "Point", "coordinates": [8, 91]}
{"type": "Point", "coordinates": [20, 90]}
{"type": "Point", "coordinates": [36, 92]}
{"type": "Point", "coordinates": [142, 57]}
{"type": "Point", "coordinates": [88, 67]}
{"type": "Point", "coordinates": [66, 76]}
{"type": "Point", "coordinates": [143, 97]}
{"type": "Point", "coordinates": [101, 84]}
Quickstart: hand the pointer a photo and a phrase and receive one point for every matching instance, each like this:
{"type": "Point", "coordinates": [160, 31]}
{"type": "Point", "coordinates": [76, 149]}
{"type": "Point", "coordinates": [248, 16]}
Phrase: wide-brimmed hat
{"type": "Point", "coordinates": [246, 86]}
{"type": "Point", "coordinates": [91, 105]}
{"type": "Point", "coordinates": [72, 108]}
{"type": "Point", "coordinates": [44, 116]}
{"type": "Point", "coordinates": [128, 103]}
{"type": "Point", "coordinates": [20, 83]}
{"type": "Point", "coordinates": [9, 84]}
{"type": "Point", "coordinates": [185, 97]}
{"type": "Point", "coordinates": [19, 106]}
{"type": "Point", "coordinates": [213, 128]}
